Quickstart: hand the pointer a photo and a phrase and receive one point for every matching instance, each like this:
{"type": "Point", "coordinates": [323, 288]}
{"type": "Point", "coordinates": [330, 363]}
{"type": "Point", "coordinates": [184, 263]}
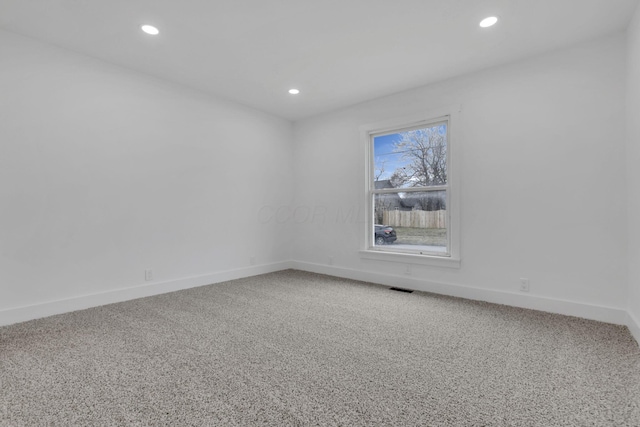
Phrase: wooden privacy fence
{"type": "Point", "coordinates": [415, 219]}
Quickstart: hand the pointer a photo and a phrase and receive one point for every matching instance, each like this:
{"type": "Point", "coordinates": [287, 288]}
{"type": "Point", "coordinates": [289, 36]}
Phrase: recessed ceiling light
{"type": "Point", "coordinates": [150, 29]}
{"type": "Point", "coordinates": [294, 91]}
{"type": "Point", "coordinates": [487, 22]}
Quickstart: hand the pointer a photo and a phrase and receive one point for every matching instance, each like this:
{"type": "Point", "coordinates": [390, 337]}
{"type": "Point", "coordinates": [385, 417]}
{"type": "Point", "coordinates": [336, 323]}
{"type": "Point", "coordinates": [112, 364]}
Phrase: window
{"type": "Point", "coordinates": [411, 208]}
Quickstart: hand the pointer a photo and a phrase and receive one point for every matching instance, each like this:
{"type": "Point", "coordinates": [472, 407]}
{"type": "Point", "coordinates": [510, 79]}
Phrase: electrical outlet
{"type": "Point", "coordinates": [407, 270]}
{"type": "Point", "coordinates": [524, 285]}
{"type": "Point", "coordinates": [330, 260]}
{"type": "Point", "coordinates": [148, 274]}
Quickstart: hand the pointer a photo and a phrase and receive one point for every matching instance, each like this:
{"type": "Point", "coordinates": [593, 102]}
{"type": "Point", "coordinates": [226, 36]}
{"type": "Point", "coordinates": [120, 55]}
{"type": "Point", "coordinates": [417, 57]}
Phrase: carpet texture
{"type": "Point", "coordinates": [300, 349]}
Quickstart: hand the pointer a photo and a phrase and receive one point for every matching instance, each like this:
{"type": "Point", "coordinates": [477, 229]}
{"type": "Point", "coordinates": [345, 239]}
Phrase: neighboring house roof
{"type": "Point", "coordinates": [409, 200]}
{"type": "Point", "coordinates": [385, 183]}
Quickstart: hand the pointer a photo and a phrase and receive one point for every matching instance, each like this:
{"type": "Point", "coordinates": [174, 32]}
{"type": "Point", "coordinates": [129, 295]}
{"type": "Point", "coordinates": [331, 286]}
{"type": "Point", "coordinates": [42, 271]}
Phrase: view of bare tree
{"type": "Point", "coordinates": [380, 169]}
{"type": "Point", "coordinates": [425, 151]}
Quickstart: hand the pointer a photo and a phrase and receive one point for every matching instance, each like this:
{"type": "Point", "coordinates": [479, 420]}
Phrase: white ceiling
{"type": "Point", "coordinates": [337, 52]}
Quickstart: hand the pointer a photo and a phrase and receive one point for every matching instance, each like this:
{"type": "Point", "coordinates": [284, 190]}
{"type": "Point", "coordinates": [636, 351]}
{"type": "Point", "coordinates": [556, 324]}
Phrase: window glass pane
{"type": "Point", "coordinates": [415, 221]}
{"type": "Point", "coordinates": [413, 158]}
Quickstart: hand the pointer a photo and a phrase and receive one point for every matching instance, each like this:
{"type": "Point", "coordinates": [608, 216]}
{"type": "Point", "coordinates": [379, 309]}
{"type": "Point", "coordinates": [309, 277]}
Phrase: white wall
{"type": "Point", "coordinates": [105, 172]}
{"type": "Point", "coordinates": [542, 172]}
{"type": "Point", "coordinates": [633, 170]}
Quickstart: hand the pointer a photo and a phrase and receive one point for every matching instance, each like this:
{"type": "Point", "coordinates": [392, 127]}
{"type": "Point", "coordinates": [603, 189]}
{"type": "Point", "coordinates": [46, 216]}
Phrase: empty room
{"type": "Point", "coordinates": [326, 213]}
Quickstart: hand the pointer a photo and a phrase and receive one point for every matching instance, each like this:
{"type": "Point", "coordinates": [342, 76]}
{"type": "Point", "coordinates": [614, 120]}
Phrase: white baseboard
{"type": "Point", "coordinates": [570, 308]}
{"type": "Point", "coordinates": [50, 308]}
{"type": "Point", "coordinates": [551, 305]}
{"type": "Point", "coordinates": [634, 326]}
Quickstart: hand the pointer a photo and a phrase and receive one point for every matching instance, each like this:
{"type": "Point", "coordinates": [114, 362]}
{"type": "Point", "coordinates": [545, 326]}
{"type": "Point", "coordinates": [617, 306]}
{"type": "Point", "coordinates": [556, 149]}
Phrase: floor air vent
{"type": "Point", "coordinates": [401, 290]}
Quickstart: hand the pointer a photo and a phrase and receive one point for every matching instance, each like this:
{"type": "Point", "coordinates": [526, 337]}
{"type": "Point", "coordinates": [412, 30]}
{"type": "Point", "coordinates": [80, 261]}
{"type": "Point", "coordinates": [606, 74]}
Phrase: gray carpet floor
{"type": "Point", "coordinates": [297, 349]}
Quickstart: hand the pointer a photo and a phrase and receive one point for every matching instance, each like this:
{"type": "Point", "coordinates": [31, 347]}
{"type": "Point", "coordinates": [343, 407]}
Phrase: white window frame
{"type": "Point", "coordinates": [387, 253]}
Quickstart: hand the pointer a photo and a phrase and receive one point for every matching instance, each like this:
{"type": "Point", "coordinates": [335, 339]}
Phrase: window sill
{"type": "Point", "coordinates": [430, 260]}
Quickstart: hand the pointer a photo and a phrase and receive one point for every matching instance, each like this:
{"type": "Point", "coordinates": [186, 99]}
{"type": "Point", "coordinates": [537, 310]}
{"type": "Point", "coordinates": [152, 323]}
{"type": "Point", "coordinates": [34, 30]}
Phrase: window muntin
{"type": "Point", "coordinates": [409, 189]}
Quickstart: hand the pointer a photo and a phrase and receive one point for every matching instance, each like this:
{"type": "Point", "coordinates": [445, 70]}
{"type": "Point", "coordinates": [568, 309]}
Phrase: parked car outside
{"type": "Point", "coordinates": [384, 235]}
